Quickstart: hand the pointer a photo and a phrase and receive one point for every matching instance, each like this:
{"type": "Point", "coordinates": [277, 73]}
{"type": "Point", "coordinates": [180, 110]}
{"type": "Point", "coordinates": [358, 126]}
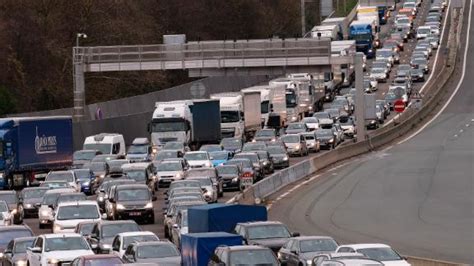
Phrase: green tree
{"type": "Point", "coordinates": [7, 102]}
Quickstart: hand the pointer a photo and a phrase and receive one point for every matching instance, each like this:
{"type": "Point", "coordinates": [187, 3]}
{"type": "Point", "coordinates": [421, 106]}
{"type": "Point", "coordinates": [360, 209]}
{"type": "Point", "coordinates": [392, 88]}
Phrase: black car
{"type": "Point", "coordinates": [8, 233]}
{"type": "Point", "coordinates": [268, 134]}
{"type": "Point", "coordinates": [266, 161]}
{"type": "Point", "coordinates": [243, 255]}
{"type": "Point", "coordinates": [104, 233]}
{"type": "Point", "coordinates": [233, 145]}
{"type": "Point", "coordinates": [30, 198]}
{"type": "Point", "coordinates": [279, 156]}
{"type": "Point", "coordinates": [13, 201]}
{"type": "Point", "coordinates": [15, 253]}
{"type": "Point", "coordinates": [269, 234]}
{"type": "Point", "coordinates": [230, 176]}
{"type": "Point", "coordinates": [326, 138]}
{"type": "Point", "coordinates": [131, 201]}
{"type": "Point", "coordinates": [417, 75]}
{"type": "Point", "coordinates": [102, 192]}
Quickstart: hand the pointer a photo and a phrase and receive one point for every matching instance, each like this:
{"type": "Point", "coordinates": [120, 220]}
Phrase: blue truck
{"type": "Point", "coordinates": [363, 32]}
{"type": "Point", "coordinates": [30, 147]}
{"type": "Point", "coordinates": [222, 217]}
{"type": "Point", "coordinates": [197, 248]}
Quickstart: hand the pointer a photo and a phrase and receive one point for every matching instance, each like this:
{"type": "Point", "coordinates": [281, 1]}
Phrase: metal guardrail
{"type": "Point", "coordinates": [203, 50]}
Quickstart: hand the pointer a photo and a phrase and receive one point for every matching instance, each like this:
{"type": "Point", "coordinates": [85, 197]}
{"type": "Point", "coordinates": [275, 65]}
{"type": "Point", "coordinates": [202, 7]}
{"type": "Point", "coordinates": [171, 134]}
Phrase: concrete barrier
{"type": "Point", "coordinates": [415, 261]}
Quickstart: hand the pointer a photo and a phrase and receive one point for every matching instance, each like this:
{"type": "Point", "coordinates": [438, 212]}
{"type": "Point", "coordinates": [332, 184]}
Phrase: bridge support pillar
{"type": "Point", "coordinates": [79, 91]}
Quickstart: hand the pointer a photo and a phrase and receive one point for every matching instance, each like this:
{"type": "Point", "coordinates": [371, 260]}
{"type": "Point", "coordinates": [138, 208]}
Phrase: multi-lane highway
{"type": "Point", "coordinates": [416, 196]}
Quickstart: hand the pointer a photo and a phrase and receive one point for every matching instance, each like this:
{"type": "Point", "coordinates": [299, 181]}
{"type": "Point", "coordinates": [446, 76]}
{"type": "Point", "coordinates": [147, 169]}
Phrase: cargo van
{"type": "Point", "coordinates": [107, 143]}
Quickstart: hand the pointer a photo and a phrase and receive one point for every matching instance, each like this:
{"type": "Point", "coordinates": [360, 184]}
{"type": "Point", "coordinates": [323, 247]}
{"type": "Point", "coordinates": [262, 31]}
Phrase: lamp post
{"type": "Point", "coordinates": [78, 36]}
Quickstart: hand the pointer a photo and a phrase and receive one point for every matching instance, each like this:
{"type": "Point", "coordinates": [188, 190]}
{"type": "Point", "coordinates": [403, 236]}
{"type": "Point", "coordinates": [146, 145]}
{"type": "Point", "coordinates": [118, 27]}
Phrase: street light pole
{"type": "Point", "coordinates": [78, 36]}
{"type": "Point", "coordinates": [303, 18]}
{"type": "Point", "coordinates": [78, 82]}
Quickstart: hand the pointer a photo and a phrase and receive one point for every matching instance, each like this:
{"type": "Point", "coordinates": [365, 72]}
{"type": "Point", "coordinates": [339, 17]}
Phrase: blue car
{"type": "Point", "coordinates": [85, 178]}
{"type": "Point", "coordinates": [219, 157]}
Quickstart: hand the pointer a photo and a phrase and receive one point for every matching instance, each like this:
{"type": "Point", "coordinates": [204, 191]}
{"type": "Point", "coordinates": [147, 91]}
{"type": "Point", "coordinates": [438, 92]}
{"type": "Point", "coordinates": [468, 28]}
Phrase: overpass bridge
{"type": "Point", "coordinates": [204, 58]}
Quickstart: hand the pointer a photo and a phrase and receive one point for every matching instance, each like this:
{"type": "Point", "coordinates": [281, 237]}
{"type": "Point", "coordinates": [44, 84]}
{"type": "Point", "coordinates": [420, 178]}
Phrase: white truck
{"type": "Point", "coordinates": [337, 21]}
{"type": "Point", "coordinates": [312, 91]}
{"type": "Point", "coordinates": [193, 122]}
{"type": "Point", "coordinates": [277, 117]}
{"type": "Point", "coordinates": [294, 106]}
{"type": "Point", "coordinates": [240, 113]}
{"type": "Point", "coordinates": [264, 91]}
{"type": "Point", "coordinates": [326, 31]}
{"type": "Point", "coordinates": [343, 73]}
{"type": "Point", "coordinates": [370, 112]}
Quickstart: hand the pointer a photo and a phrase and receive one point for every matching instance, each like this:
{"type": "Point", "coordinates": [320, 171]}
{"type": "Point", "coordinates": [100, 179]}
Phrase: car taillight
{"type": "Point", "coordinates": [247, 174]}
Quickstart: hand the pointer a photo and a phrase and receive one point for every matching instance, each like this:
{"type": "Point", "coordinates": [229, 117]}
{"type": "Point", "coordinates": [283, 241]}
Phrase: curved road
{"type": "Point", "coordinates": [417, 196]}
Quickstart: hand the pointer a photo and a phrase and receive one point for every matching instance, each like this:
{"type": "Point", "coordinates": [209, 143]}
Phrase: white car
{"type": "Point", "coordinates": [169, 171]}
{"type": "Point", "coordinates": [198, 159]}
{"type": "Point", "coordinates": [69, 214]}
{"type": "Point", "coordinates": [423, 32]}
{"type": "Point", "coordinates": [180, 227]}
{"type": "Point", "coordinates": [123, 240]}
{"type": "Point", "coordinates": [57, 249]}
{"type": "Point", "coordinates": [6, 218]}
{"type": "Point", "coordinates": [312, 123]}
{"type": "Point", "coordinates": [380, 252]}
{"type": "Point", "coordinates": [66, 176]}
{"type": "Point", "coordinates": [45, 211]}
{"type": "Point", "coordinates": [210, 190]}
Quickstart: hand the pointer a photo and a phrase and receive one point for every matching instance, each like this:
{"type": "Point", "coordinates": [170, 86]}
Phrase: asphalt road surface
{"type": "Point", "coordinates": [417, 196]}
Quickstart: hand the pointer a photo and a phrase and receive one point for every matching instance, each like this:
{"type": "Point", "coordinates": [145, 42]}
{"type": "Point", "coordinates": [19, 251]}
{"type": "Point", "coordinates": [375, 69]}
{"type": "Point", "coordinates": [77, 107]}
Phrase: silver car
{"type": "Point", "coordinates": [301, 250]}
{"type": "Point", "coordinates": [153, 253]}
{"type": "Point", "coordinates": [295, 144]}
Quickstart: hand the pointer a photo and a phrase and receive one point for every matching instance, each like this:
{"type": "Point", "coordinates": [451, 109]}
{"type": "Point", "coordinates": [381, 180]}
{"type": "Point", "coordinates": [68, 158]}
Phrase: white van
{"type": "Point", "coordinates": [107, 143]}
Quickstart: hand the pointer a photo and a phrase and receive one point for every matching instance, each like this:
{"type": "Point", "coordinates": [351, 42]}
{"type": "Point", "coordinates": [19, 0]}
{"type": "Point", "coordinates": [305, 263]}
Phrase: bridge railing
{"type": "Point", "coordinates": [204, 50]}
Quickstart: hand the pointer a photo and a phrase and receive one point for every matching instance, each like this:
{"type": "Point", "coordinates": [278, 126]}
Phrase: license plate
{"type": "Point", "coordinates": [247, 181]}
{"type": "Point", "coordinates": [135, 214]}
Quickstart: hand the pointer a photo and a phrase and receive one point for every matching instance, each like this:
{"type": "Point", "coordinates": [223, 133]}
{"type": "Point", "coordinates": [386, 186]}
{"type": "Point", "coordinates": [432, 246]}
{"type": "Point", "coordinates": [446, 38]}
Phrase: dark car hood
{"type": "Point", "coordinates": [262, 138]}
{"type": "Point", "coordinates": [228, 176]}
{"type": "Point", "coordinates": [272, 243]}
{"type": "Point", "coordinates": [139, 204]}
{"type": "Point", "coordinates": [325, 138]}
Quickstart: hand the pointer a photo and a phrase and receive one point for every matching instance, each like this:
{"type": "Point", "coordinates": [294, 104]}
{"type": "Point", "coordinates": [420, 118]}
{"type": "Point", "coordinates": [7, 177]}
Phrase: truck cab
{"type": "Point", "coordinates": [294, 112]}
{"type": "Point", "coordinates": [264, 101]}
{"type": "Point", "coordinates": [363, 32]}
{"type": "Point", "coordinates": [140, 150]}
{"type": "Point", "coordinates": [232, 114]}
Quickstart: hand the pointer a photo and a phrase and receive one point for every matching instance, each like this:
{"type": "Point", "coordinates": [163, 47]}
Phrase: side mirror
{"type": "Point", "coordinates": [111, 200]}
{"type": "Point", "coordinates": [94, 246]}
{"type": "Point", "coordinates": [128, 257]}
{"type": "Point", "coordinates": [35, 249]}
{"type": "Point", "coordinates": [37, 205]}
{"type": "Point", "coordinates": [294, 252]}
{"type": "Point", "coordinates": [295, 234]}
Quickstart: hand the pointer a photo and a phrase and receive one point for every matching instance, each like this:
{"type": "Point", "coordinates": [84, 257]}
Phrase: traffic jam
{"type": "Point", "coordinates": [164, 199]}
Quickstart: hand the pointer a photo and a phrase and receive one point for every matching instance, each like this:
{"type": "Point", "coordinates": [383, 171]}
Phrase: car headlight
{"type": "Point", "coordinates": [20, 263]}
{"type": "Point", "coordinates": [53, 261]}
{"type": "Point", "coordinates": [101, 176]}
{"type": "Point", "coordinates": [312, 144]}
{"type": "Point", "coordinates": [179, 175]}
{"type": "Point", "coordinates": [208, 193]}
{"type": "Point", "coordinates": [28, 206]}
{"type": "Point", "coordinates": [86, 183]}
{"type": "Point", "coordinates": [235, 179]}
{"type": "Point", "coordinates": [309, 262]}
{"type": "Point", "coordinates": [208, 164]}
{"type": "Point", "coordinates": [331, 140]}
{"type": "Point", "coordinates": [1, 255]}
{"type": "Point", "coordinates": [1, 175]}
{"type": "Point", "coordinates": [149, 205]}
{"type": "Point", "coordinates": [45, 212]}
{"type": "Point", "coordinates": [120, 207]}
{"type": "Point", "coordinates": [298, 147]}
{"type": "Point", "coordinates": [285, 158]}
{"type": "Point", "coordinates": [57, 227]}
{"type": "Point", "coordinates": [100, 198]}
{"type": "Point", "coordinates": [311, 108]}
{"type": "Point", "coordinates": [265, 163]}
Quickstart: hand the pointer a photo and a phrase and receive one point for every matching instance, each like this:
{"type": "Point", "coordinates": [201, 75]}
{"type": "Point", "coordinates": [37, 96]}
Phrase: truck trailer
{"type": "Point", "coordinates": [30, 147]}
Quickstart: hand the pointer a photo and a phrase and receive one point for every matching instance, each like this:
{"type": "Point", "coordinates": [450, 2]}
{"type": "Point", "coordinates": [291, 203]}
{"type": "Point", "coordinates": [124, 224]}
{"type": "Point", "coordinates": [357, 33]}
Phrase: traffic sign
{"type": "Point", "coordinates": [399, 106]}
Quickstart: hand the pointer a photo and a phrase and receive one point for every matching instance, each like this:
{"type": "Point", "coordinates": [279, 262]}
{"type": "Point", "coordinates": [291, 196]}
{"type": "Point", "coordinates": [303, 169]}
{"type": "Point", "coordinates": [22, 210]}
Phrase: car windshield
{"type": "Point", "coordinates": [133, 194]}
{"type": "Point", "coordinates": [310, 120]}
{"type": "Point", "coordinates": [78, 212]}
{"type": "Point", "coordinates": [230, 116]}
{"type": "Point", "coordinates": [137, 175]}
{"type": "Point", "coordinates": [308, 136]}
{"type": "Point", "coordinates": [276, 150]}
{"type": "Point", "coordinates": [98, 167]}
{"type": "Point", "coordinates": [267, 231]}
{"type": "Point", "coordinates": [390, 96]}
{"type": "Point", "coordinates": [321, 115]}
{"type": "Point", "coordinates": [86, 229]}
{"type": "Point", "coordinates": [378, 70]}
{"type": "Point", "coordinates": [111, 230]}
{"type": "Point", "coordinates": [83, 174]}
{"type": "Point", "coordinates": [230, 142]}
{"type": "Point", "coordinates": [424, 30]}
{"type": "Point", "coordinates": [60, 176]}
{"type": "Point", "coordinates": [9, 235]}
{"type": "Point", "coordinates": [71, 197]}
{"type": "Point", "coordinates": [196, 156]}
{"type": "Point", "coordinates": [219, 155]}
{"type": "Point", "coordinates": [169, 166]}
{"type": "Point", "coordinates": [156, 251]}
{"type": "Point", "coordinates": [33, 193]}
{"type": "Point", "coordinates": [384, 53]}
{"type": "Point", "coordinates": [103, 148]}
{"type": "Point", "coordinates": [324, 133]}
{"type": "Point", "coordinates": [22, 245]}
{"type": "Point", "coordinates": [252, 257]}
{"type": "Point", "coordinates": [65, 243]}
{"type": "Point", "coordinates": [204, 181]}
{"type": "Point", "coordinates": [55, 184]}
{"type": "Point", "coordinates": [246, 163]}
{"type": "Point", "coordinates": [173, 146]}
{"type": "Point", "coordinates": [211, 148]}
{"type": "Point", "coordinates": [252, 157]}
{"type": "Point", "coordinates": [296, 126]}
{"type": "Point", "coordinates": [345, 120]}
{"type": "Point", "coordinates": [254, 146]}
{"type": "Point", "coordinates": [227, 170]}
{"type": "Point", "coordinates": [262, 154]}
{"type": "Point", "coordinates": [291, 139]}
{"type": "Point", "coordinates": [201, 172]}
{"type": "Point", "coordinates": [3, 206]}
{"type": "Point", "coordinates": [403, 21]}
{"type": "Point", "coordinates": [50, 199]}
{"type": "Point", "coordinates": [165, 155]}
{"type": "Point", "coordinates": [138, 149]}
{"type": "Point", "coordinates": [103, 262]}
{"type": "Point", "coordinates": [169, 126]}
{"type": "Point", "coordinates": [84, 155]}
{"type": "Point", "coordinates": [317, 245]}
{"type": "Point", "coordinates": [265, 133]}
{"type": "Point", "coordinates": [420, 61]}
{"type": "Point", "coordinates": [380, 254]}
{"type": "Point", "coordinates": [191, 184]}
{"type": "Point", "coordinates": [143, 238]}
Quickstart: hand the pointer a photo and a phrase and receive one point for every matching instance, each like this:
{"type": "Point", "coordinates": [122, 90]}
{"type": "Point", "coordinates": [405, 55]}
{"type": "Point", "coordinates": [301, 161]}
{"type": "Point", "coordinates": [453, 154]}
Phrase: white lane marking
{"type": "Point", "coordinates": [461, 80]}
{"type": "Point", "coordinates": [455, 135]}
{"type": "Point", "coordinates": [432, 72]}
{"type": "Point", "coordinates": [461, 131]}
